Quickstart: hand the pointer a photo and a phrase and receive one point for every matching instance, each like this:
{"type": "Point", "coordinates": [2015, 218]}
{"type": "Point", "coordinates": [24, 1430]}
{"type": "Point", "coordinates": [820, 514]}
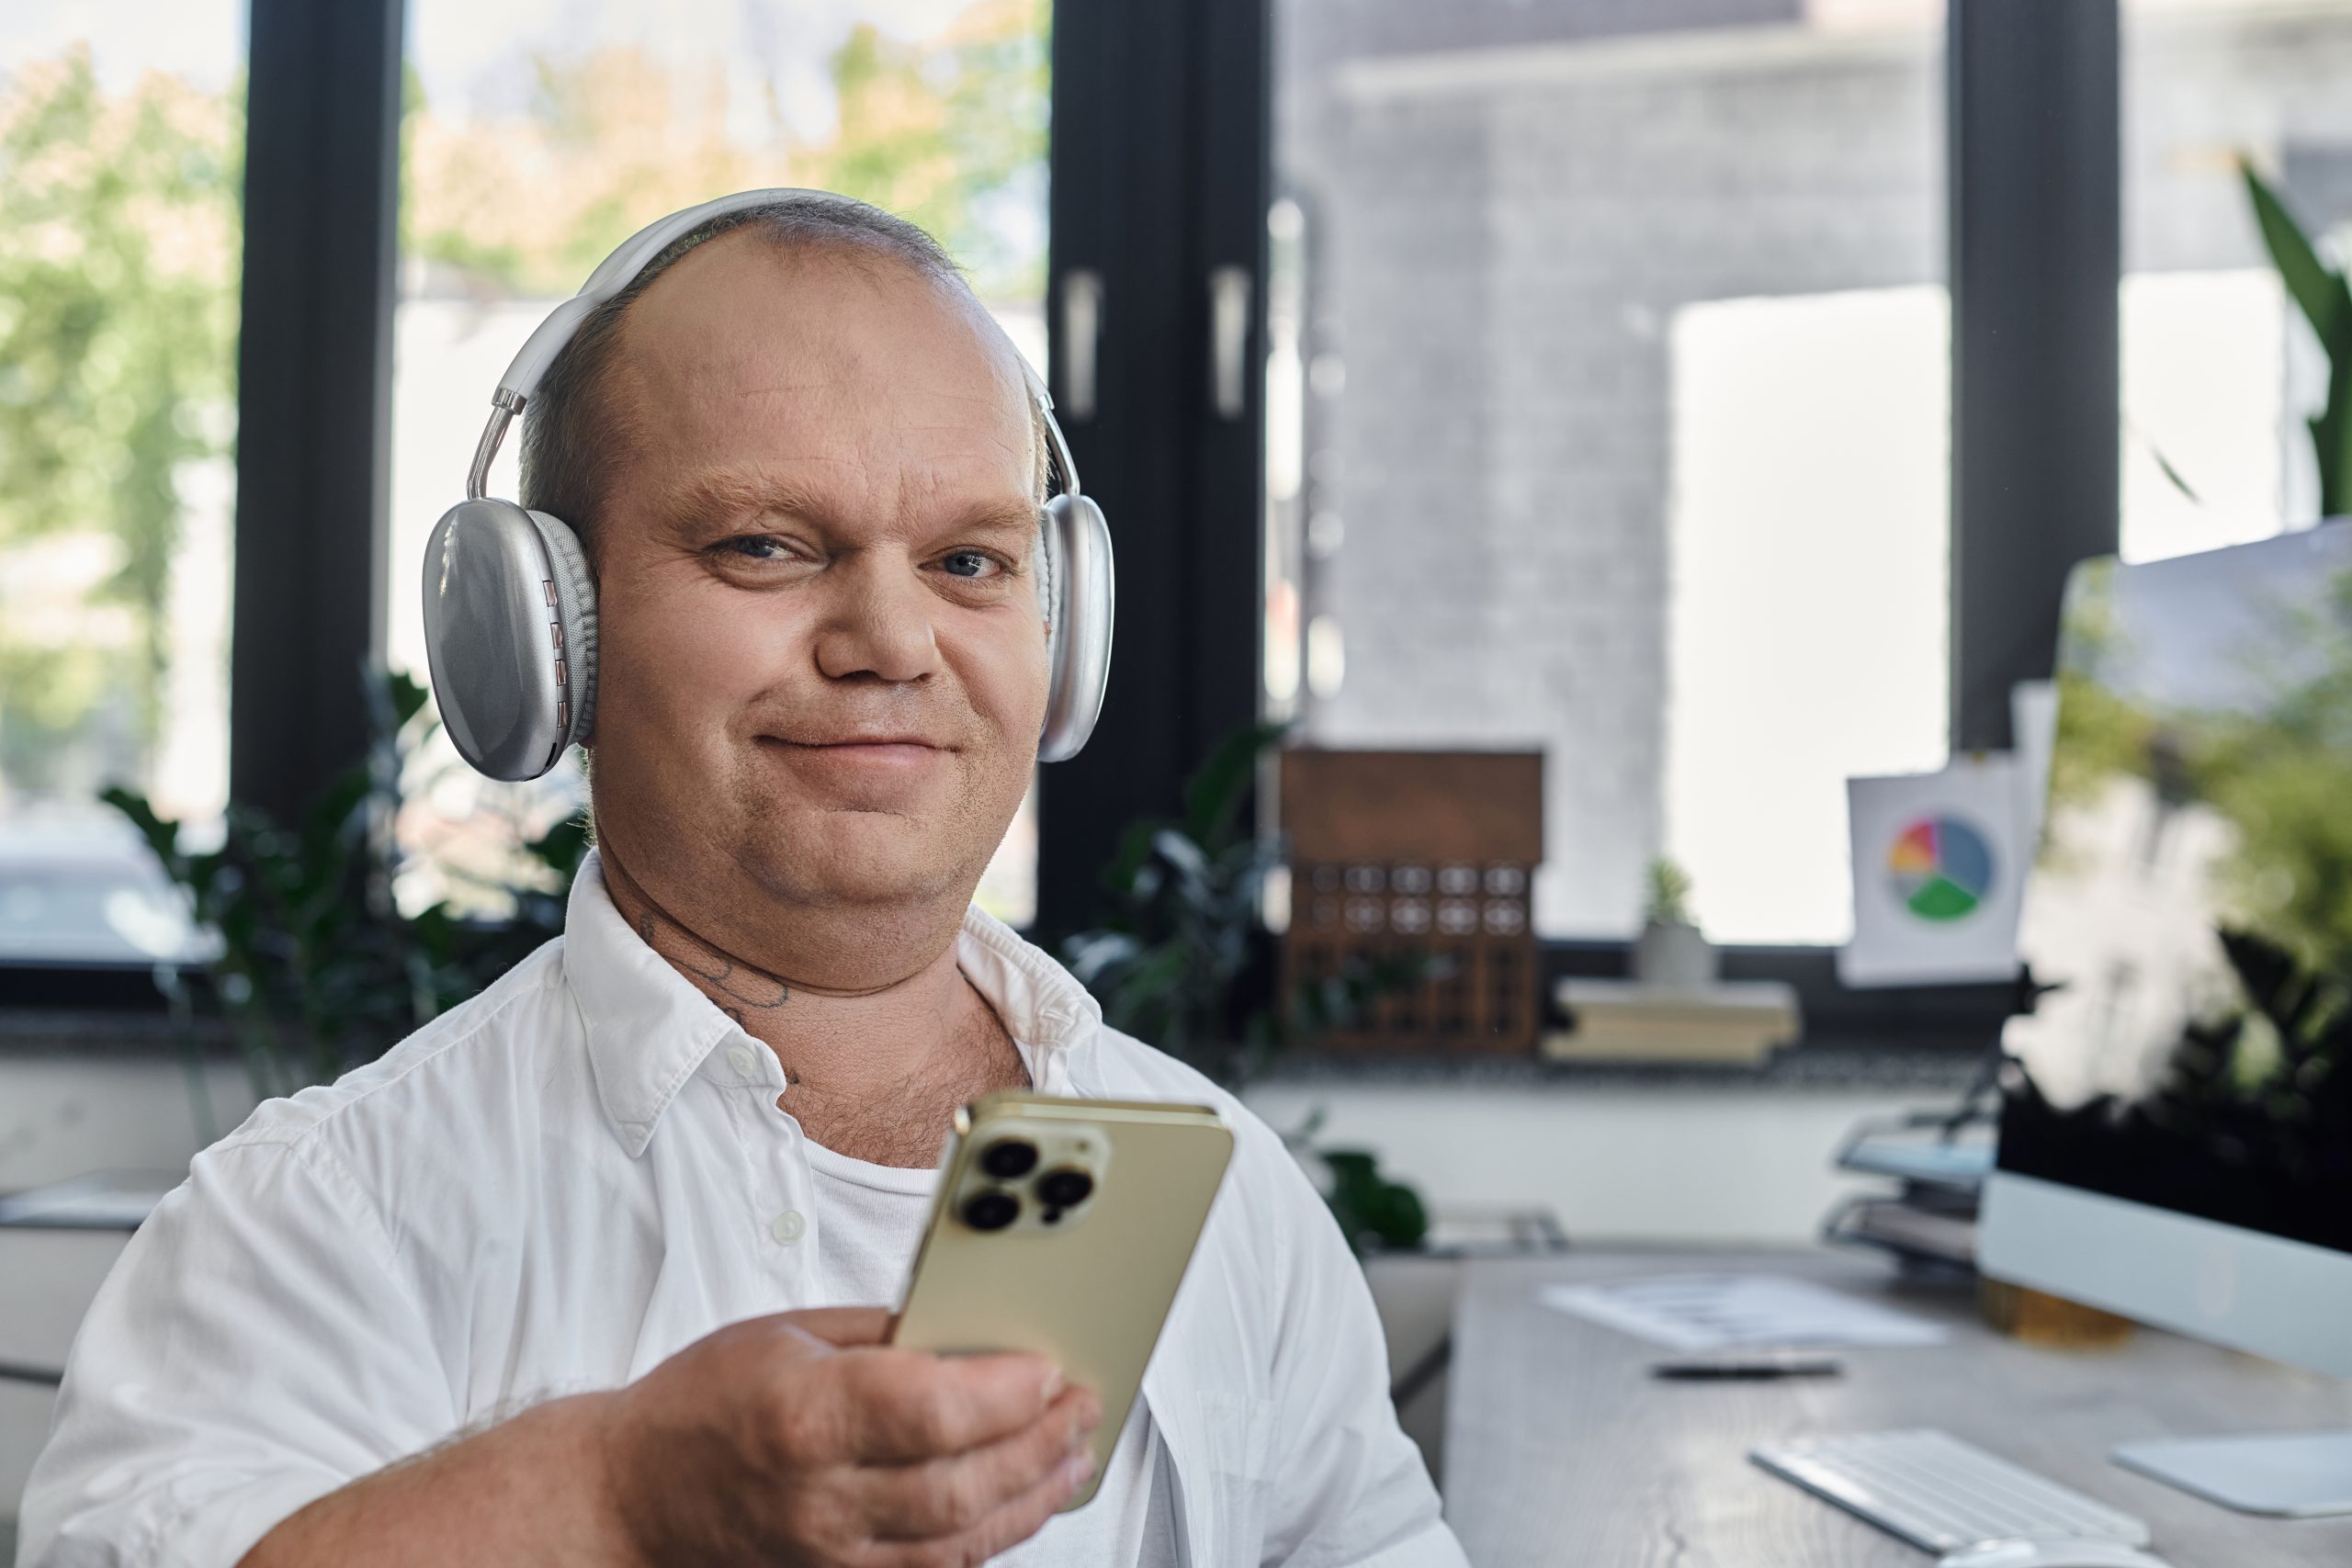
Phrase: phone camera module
{"type": "Point", "coordinates": [1064, 1189]}
{"type": "Point", "coordinates": [991, 1211]}
{"type": "Point", "coordinates": [1009, 1159]}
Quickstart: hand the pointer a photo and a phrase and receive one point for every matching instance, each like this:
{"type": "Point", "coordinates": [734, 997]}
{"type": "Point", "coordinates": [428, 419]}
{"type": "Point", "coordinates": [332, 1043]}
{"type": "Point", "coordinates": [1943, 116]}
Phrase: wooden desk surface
{"type": "Point", "coordinates": [1561, 1449]}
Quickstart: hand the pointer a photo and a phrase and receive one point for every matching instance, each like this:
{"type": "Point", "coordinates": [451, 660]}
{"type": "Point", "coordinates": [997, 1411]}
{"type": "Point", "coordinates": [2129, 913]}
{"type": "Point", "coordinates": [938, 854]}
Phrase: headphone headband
{"type": "Point", "coordinates": [616, 272]}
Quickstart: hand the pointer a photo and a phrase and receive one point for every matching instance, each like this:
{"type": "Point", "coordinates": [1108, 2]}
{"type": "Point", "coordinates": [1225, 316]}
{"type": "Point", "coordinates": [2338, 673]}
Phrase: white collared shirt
{"type": "Point", "coordinates": [561, 1183]}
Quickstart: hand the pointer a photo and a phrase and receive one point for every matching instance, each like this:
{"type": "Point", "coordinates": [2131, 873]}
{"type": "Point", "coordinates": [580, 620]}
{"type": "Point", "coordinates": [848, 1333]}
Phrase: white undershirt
{"type": "Point", "coordinates": [871, 1220]}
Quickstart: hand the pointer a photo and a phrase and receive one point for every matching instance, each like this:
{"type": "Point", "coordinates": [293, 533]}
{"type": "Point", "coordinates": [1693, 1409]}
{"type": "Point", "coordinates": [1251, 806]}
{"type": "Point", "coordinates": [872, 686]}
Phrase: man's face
{"type": "Point", "coordinates": [823, 658]}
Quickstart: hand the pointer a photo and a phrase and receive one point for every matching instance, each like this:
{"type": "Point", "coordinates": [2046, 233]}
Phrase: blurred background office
{"type": "Point", "coordinates": [1706, 397]}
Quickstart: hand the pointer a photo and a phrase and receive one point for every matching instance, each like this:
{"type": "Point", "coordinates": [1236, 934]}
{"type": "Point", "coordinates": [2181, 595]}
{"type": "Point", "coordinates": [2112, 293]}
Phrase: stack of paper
{"type": "Point", "coordinates": [1729, 1311]}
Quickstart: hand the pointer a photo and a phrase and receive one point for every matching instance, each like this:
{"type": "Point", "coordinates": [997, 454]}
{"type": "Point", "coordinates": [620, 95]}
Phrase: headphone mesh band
{"type": "Point", "coordinates": [575, 594]}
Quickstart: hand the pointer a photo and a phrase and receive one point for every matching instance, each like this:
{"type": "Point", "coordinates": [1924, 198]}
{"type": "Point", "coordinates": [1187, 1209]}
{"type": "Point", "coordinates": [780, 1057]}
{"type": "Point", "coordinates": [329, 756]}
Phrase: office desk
{"type": "Point", "coordinates": [1561, 1449]}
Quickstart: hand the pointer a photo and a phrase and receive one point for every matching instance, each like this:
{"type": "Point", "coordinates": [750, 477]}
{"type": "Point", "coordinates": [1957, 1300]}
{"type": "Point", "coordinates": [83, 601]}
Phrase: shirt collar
{"type": "Point", "coordinates": [648, 1029]}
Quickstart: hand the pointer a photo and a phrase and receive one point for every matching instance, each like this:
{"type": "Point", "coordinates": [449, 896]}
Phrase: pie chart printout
{"type": "Point", "coordinates": [1941, 868]}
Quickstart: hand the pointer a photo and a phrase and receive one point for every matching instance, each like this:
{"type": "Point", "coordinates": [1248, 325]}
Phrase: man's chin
{"type": "Point", "coordinates": [856, 859]}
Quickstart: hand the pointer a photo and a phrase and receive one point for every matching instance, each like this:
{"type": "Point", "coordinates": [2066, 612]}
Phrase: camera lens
{"type": "Point", "coordinates": [991, 1211]}
{"type": "Point", "coordinates": [1010, 1161]}
{"type": "Point", "coordinates": [1064, 1189]}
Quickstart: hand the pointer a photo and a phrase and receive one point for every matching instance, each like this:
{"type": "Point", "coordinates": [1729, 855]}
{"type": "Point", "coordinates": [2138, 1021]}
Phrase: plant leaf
{"type": "Point", "coordinates": [2317, 288]}
{"type": "Point", "coordinates": [2163, 465]}
{"type": "Point", "coordinates": [1213, 795]}
{"type": "Point", "coordinates": [409, 696]}
{"type": "Point", "coordinates": [1090, 954]}
{"type": "Point", "coordinates": [562, 847]}
{"type": "Point", "coordinates": [2332, 428]}
{"type": "Point", "coordinates": [1183, 853]}
{"type": "Point", "coordinates": [1134, 851]}
{"type": "Point", "coordinates": [162, 837]}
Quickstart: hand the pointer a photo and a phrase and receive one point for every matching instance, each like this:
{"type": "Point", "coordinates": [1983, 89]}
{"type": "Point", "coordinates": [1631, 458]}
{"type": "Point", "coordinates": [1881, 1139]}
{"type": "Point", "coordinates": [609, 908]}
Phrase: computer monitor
{"type": "Point", "coordinates": [2177, 1123]}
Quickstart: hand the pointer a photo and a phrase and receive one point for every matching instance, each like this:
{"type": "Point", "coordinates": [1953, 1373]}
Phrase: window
{"type": "Point", "coordinates": [2220, 369]}
{"type": "Point", "coordinates": [533, 146]}
{"type": "Point", "coordinates": [121, 140]}
{"type": "Point", "coordinates": [1608, 403]}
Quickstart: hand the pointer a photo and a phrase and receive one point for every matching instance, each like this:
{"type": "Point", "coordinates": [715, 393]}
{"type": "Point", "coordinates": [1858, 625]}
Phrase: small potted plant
{"type": "Point", "coordinates": [1672, 954]}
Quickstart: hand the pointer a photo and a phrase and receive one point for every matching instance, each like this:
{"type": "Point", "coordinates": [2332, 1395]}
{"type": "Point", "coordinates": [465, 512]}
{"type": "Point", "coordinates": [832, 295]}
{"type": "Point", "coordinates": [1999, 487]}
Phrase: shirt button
{"type": "Point", "coordinates": [740, 1057]}
{"type": "Point", "coordinates": [787, 1226]}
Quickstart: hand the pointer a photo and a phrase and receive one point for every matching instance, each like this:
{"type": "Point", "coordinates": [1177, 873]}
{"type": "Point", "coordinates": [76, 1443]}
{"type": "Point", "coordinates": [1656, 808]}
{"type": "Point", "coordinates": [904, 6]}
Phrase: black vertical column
{"type": "Point", "coordinates": [1224, 542]}
{"type": "Point", "coordinates": [314, 390]}
{"type": "Point", "coordinates": [2036, 247]}
{"type": "Point", "coordinates": [1158, 212]}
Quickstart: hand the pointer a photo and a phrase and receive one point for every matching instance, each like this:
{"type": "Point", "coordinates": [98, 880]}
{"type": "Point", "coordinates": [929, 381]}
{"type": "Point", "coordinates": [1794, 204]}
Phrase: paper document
{"type": "Point", "coordinates": [1725, 1312]}
{"type": "Point", "coordinates": [1938, 863]}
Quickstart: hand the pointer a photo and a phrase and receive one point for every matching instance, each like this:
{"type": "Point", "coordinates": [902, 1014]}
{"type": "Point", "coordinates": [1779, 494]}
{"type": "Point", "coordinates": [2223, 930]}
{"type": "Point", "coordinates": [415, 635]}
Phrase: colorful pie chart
{"type": "Point", "coordinates": [1941, 868]}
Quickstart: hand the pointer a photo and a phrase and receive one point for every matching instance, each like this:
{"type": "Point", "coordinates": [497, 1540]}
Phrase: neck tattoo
{"type": "Point", "coordinates": [737, 988]}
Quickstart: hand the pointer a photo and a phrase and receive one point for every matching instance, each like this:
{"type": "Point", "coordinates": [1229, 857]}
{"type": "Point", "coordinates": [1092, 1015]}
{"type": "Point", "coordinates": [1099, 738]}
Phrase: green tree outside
{"type": "Point", "coordinates": [118, 253]}
{"type": "Point", "coordinates": [947, 131]}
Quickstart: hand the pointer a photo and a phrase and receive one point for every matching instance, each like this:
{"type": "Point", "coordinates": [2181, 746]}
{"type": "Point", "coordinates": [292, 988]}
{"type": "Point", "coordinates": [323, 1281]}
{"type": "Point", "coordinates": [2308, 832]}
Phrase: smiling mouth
{"type": "Point", "coordinates": [874, 748]}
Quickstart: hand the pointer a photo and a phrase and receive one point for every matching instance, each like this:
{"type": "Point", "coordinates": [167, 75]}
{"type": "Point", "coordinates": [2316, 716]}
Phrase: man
{"type": "Point", "coordinates": [589, 1272]}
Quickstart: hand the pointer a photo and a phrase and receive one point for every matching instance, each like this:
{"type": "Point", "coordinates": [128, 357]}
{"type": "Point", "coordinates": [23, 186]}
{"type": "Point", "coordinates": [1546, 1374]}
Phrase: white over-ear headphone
{"type": "Point", "coordinates": [510, 606]}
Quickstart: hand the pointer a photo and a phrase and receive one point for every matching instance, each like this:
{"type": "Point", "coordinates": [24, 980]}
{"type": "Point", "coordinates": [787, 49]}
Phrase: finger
{"type": "Point", "coordinates": [799, 1336]}
{"type": "Point", "coordinates": [945, 1496]}
{"type": "Point", "coordinates": [1000, 1531]}
{"type": "Point", "coordinates": [909, 1404]}
{"type": "Point", "coordinates": [843, 1327]}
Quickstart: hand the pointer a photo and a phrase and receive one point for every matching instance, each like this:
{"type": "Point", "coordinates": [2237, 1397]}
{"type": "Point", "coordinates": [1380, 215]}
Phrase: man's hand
{"type": "Point", "coordinates": [793, 1441]}
{"type": "Point", "coordinates": [801, 1440]}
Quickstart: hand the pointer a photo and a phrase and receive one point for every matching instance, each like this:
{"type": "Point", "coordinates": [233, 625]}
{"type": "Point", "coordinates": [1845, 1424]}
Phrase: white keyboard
{"type": "Point", "coordinates": [1940, 1494]}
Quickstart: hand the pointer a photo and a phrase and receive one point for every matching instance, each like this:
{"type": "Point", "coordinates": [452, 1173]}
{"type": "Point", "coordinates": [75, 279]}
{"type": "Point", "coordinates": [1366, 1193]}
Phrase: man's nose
{"type": "Point", "coordinates": [878, 623]}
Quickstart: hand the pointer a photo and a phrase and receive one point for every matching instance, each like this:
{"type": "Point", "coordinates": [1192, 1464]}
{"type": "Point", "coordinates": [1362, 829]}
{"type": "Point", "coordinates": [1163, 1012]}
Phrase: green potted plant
{"type": "Point", "coordinates": [1671, 953]}
{"type": "Point", "coordinates": [316, 969]}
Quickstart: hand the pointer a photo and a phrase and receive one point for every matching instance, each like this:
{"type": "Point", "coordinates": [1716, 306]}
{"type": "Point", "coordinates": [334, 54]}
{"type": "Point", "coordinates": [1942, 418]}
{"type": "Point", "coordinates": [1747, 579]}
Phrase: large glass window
{"type": "Point", "coordinates": [2220, 369]}
{"type": "Point", "coordinates": [1609, 404]}
{"type": "Point", "coordinates": [121, 140]}
{"type": "Point", "coordinates": [538, 137]}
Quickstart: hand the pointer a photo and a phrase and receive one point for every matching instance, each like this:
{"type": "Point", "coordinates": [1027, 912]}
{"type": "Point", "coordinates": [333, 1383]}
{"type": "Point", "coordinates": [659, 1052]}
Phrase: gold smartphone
{"type": "Point", "coordinates": [1064, 1226]}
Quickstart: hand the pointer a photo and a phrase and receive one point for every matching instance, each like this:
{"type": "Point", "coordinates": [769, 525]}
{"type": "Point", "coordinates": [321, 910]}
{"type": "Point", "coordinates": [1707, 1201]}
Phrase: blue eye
{"type": "Point", "coordinates": [968, 563]}
{"type": "Point", "coordinates": [757, 547]}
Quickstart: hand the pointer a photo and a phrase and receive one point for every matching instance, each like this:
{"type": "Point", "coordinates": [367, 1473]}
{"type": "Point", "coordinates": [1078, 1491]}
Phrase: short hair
{"type": "Point", "coordinates": [571, 430]}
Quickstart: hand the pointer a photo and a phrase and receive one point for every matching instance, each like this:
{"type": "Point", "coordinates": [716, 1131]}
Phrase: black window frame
{"type": "Point", "coordinates": [1160, 179]}
{"type": "Point", "coordinates": [2033, 194]}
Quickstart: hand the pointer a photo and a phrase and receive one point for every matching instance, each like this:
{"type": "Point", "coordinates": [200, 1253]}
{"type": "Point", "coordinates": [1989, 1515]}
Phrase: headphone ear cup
{"type": "Point", "coordinates": [575, 598]}
{"type": "Point", "coordinates": [1082, 595]}
{"type": "Point", "coordinates": [509, 611]}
